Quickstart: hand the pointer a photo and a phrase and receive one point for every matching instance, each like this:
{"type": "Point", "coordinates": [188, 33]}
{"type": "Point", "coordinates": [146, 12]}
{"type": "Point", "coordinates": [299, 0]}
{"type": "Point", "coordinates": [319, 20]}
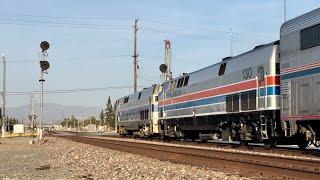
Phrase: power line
{"type": "Point", "coordinates": [65, 23]}
{"type": "Point", "coordinates": [115, 18]}
{"type": "Point", "coordinates": [69, 27]}
{"type": "Point", "coordinates": [63, 91]}
{"type": "Point", "coordinates": [189, 35]}
{"type": "Point", "coordinates": [70, 17]}
{"type": "Point", "coordinates": [214, 29]}
{"type": "Point", "coordinates": [70, 60]}
{"type": "Point", "coordinates": [223, 30]}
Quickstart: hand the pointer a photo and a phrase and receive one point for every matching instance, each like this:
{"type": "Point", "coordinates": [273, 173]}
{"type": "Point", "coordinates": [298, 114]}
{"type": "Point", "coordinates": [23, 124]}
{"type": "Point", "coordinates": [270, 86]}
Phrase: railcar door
{"type": "Point", "coordinates": [304, 96]}
{"type": "Point", "coordinates": [316, 94]}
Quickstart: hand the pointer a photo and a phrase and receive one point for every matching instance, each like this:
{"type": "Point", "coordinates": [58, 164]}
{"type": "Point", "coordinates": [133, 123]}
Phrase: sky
{"type": "Point", "coordinates": [92, 41]}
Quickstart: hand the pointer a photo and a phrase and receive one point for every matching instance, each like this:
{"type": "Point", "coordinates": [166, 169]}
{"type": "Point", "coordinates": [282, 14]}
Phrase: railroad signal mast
{"type": "Point", "coordinates": [44, 65]}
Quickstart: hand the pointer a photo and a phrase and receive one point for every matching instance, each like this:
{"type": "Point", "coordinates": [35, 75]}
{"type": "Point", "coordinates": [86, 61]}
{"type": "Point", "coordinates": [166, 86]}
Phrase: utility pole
{"type": "Point", "coordinates": [231, 42]}
{"type": "Point", "coordinates": [135, 55]}
{"type": "Point", "coordinates": [4, 95]}
{"type": "Point", "coordinates": [285, 10]}
{"type": "Point", "coordinates": [32, 115]}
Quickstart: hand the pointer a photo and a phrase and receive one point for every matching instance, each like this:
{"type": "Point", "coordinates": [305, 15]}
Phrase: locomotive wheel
{"type": "Point", "coordinates": [243, 142]}
{"type": "Point", "coordinates": [269, 143]}
{"type": "Point", "coordinates": [303, 143]}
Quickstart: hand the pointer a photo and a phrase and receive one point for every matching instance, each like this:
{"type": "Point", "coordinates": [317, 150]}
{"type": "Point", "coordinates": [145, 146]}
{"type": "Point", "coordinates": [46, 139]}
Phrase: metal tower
{"type": "Point", "coordinates": [167, 60]}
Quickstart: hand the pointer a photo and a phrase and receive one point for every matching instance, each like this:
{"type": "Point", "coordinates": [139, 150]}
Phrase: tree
{"type": "Point", "coordinates": [69, 122]}
{"type": "Point", "coordinates": [109, 114]}
{"type": "Point", "coordinates": [102, 117]}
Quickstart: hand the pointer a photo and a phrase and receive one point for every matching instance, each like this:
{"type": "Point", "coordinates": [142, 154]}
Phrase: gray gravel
{"type": "Point", "coordinates": [19, 160]}
{"type": "Point", "coordinates": [72, 160]}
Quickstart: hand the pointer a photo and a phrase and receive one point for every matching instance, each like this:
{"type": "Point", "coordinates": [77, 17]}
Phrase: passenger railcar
{"type": "Point", "coordinates": [300, 77]}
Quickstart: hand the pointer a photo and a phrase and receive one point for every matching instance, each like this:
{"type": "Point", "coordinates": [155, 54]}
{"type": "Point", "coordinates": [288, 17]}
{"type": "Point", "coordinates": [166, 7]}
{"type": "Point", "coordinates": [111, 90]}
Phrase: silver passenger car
{"type": "Point", "coordinates": [138, 112]}
{"type": "Point", "coordinates": [300, 75]}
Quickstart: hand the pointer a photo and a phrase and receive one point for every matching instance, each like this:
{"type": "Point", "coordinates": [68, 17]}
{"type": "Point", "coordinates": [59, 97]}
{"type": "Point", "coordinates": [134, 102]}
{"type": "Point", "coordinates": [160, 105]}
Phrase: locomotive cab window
{"type": "Point", "coordinates": [260, 73]}
{"type": "Point", "coordinates": [310, 37]}
{"type": "Point", "coordinates": [277, 68]}
{"type": "Point", "coordinates": [222, 69]}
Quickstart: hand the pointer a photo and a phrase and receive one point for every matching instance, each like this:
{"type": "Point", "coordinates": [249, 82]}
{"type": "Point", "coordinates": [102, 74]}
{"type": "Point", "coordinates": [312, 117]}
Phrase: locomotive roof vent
{"type": "Point", "coordinates": [226, 58]}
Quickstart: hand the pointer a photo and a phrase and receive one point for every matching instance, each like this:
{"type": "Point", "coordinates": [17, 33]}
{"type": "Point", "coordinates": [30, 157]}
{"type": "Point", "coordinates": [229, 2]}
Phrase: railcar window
{"type": "Point", "coordinates": [186, 79]}
{"type": "Point", "coordinates": [307, 38]}
{"type": "Point", "coordinates": [156, 99]}
{"type": "Point", "coordinates": [310, 37]}
{"type": "Point", "coordinates": [222, 69]}
{"type": "Point", "coordinates": [317, 35]}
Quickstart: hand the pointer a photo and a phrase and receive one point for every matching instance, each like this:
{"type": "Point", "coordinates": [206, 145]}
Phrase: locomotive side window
{"type": "Point", "coordinates": [126, 99]}
{"type": "Point", "coordinates": [180, 82]}
{"type": "Point", "coordinates": [244, 101]}
{"type": "Point", "coordinates": [186, 79]}
{"type": "Point", "coordinates": [310, 37]}
{"type": "Point", "coordinates": [222, 69]}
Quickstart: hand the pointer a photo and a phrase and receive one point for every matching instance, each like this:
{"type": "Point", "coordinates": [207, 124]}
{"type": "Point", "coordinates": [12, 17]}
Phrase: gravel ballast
{"type": "Point", "coordinates": [58, 158]}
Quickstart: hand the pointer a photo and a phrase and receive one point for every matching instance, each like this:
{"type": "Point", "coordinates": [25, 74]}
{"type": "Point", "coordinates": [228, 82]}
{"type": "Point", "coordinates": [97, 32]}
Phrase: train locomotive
{"type": "Point", "coordinates": [270, 95]}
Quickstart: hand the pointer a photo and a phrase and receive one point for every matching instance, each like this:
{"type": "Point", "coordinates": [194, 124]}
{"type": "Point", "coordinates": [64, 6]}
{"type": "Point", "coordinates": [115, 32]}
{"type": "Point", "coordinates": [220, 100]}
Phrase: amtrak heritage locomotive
{"type": "Point", "coordinates": [270, 94]}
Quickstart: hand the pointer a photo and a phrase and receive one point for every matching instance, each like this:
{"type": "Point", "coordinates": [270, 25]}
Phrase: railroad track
{"type": "Point", "coordinates": [274, 166]}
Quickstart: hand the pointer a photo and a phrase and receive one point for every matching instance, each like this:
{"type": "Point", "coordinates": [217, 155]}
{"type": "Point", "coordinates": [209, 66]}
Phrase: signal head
{"type": "Point", "coordinates": [44, 45]}
{"type": "Point", "coordinates": [44, 65]}
{"type": "Point", "coordinates": [163, 68]}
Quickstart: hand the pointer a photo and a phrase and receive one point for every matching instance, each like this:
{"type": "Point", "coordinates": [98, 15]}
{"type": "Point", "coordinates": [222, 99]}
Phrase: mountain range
{"type": "Point", "coordinates": [54, 113]}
